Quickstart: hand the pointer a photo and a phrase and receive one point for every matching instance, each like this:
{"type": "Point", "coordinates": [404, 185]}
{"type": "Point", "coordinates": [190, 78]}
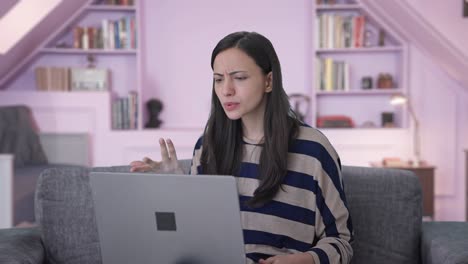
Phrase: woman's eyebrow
{"type": "Point", "coordinates": [231, 73]}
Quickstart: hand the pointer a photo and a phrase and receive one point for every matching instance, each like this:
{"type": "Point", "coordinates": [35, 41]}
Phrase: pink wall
{"type": "Point", "coordinates": [179, 42]}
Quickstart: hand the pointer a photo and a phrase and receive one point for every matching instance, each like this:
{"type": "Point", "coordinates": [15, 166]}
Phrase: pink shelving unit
{"type": "Point", "coordinates": [341, 64]}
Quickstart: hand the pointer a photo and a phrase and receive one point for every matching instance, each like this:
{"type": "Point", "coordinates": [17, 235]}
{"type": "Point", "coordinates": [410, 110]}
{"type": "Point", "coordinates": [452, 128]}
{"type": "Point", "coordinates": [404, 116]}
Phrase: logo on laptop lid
{"type": "Point", "coordinates": [165, 221]}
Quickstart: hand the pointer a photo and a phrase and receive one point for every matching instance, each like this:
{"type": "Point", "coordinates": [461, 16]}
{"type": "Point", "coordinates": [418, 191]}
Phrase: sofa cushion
{"type": "Point", "coordinates": [65, 211]}
{"type": "Point", "coordinates": [385, 207]}
{"type": "Point", "coordinates": [21, 246]}
{"type": "Point", "coordinates": [444, 243]}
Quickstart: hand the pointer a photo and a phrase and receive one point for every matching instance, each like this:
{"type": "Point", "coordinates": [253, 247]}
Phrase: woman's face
{"type": "Point", "coordinates": [240, 85]}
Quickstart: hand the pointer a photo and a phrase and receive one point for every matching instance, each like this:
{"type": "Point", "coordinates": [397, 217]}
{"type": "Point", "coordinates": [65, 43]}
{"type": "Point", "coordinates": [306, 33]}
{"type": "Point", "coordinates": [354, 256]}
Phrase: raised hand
{"type": "Point", "coordinates": [168, 164]}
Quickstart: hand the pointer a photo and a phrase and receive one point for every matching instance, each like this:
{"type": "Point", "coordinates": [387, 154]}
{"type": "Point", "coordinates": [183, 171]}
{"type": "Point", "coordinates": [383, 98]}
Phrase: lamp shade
{"type": "Point", "coordinates": [398, 99]}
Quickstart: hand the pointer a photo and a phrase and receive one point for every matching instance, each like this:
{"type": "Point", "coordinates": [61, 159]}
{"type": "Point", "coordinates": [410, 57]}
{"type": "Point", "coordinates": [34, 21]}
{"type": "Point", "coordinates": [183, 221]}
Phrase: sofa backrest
{"type": "Point", "coordinates": [386, 211]}
{"type": "Point", "coordinates": [385, 207]}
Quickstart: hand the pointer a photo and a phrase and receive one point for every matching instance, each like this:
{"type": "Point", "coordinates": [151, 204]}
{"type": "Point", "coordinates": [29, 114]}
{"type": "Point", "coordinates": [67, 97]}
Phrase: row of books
{"type": "Point", "coordinates": [115, 2]}
{"type": "Point", "coordinates": [71, 79]}
{"type": "Point", "coordinates": [333, 75]}
{"type": "Point", "coordinates": [118, 34]}
{"type": "Point", "coordinates": [339, 31]}
{"type": "Point", "coordinates": [125, 112]}
{"type": "Point", "coordinates": [332, 2]}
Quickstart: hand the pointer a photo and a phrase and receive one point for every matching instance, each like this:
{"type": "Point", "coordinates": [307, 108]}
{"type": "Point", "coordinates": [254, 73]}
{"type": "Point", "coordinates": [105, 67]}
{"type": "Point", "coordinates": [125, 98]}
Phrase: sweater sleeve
{"type": "Point", "coordinates": [334, 232]}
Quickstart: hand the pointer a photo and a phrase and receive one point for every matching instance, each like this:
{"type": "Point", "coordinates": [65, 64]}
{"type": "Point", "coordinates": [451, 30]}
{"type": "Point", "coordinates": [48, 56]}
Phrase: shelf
{"type": "Point", "coordinates": [376, 91]}
{"type": "Point", "coordinates": [89, 51]}
{"type": "Point", "coordinates": [360, 50]}
{"type": "Point", "coordinates": [364, 129]}
{"type": "Point", "coordinates": [111, 8]}
{"type": "Point", "coordinates": [338, 7]}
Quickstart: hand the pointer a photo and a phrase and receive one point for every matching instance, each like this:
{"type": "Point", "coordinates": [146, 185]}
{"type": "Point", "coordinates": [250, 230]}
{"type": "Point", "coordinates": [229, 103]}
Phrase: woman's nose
{"type": "Point", "coordinates": [228, 88]}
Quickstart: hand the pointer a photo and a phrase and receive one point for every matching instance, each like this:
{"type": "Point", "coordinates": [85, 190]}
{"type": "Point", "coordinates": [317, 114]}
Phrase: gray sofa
{"type": "Point", "coordinates": [385, 206]}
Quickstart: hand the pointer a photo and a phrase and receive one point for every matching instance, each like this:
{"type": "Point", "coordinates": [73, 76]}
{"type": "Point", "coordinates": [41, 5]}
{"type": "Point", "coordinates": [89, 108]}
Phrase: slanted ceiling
{"type": "Point", "coordinates": [18, 57]}
{"type": "Point", "coordinates": [6, 5]}
{"type": "Point", "coordinates": [402, 18]}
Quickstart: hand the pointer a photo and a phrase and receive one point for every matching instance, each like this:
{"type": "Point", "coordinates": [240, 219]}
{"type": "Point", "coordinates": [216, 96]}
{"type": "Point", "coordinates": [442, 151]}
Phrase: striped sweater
{"type": "Point", "coordinates": [308, 214]}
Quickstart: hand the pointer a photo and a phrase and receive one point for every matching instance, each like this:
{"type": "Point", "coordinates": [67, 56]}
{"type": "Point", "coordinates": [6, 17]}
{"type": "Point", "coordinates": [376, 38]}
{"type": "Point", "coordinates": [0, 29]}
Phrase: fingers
{"type": "Point", "coordinates": [137, 163]}
{"type": "Point", "coordinates": [168, 155]}
{"type": "Point", "coordinates": [164, 151]}
{"type": "Point", "coordinates": [171, 148]}
{"type": "Point", "coordinates": [141, 168]}
{"type": "Point", "coordinates": [168, 151]}
{"type": "Point", "coordinates": [149, 161]}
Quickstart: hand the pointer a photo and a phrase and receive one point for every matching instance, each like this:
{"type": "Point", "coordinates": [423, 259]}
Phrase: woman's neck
{"type": "Point", "coordinates": [252, 130]}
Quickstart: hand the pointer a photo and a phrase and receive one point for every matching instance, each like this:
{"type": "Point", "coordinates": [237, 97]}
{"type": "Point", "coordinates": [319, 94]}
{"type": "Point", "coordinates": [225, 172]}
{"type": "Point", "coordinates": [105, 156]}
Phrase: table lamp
{"type": "Point", "coordinates": [400, 99]}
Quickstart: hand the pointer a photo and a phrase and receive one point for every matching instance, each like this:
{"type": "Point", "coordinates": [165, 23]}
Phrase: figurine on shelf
{"type": "Point", "coordinates": [154, 107]}
{"type": "Point", "coordinates": [91, 61]}
{"type": "Point", "coordinates": [381, 38]}
{"type": "Point", "coordinates": [301, 105]}
{"type": "Point", "coordinates": [366, 83]}
{"type": "Point", "coordinates": [385, 81]}
{"type": "Point", "coordinates": [368, 38]}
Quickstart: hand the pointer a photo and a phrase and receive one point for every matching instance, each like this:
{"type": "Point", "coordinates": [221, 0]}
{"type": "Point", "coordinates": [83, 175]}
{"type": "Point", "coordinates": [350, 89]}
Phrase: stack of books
{"type": "Point", "coordinates": [125, 112]}
{"type": "Point", "coordinates": [71, 79]}
{"type": "Point", "coordinates": [339, 31]}
{"type": "Point", "coordinates": [334, 75]}
{"type": "Point", "coordinates": [118, 34]}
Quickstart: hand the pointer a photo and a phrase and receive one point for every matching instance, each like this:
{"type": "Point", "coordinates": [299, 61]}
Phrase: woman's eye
{"type": "Point", "coordinates": [218, 80]}
{"type": "Point", "coordinates": [240, 78]}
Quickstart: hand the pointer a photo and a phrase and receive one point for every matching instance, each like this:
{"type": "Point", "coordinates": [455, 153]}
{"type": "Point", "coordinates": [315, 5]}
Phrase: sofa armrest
{"type": "Point", "coordinates": [21, 245]}
{"type": "Point", "coordinates": [444, 242]}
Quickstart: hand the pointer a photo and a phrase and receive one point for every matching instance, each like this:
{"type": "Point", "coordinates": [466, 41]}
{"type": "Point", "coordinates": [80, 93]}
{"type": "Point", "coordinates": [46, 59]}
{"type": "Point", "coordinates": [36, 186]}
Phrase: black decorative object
{"type": "Point", "coordinates": [154, 107]}
{"type": "Point", "coordinates": [381, 38]}
{"type": "Point", "coordinates": [91, 61]}
{"type": "Point", "coordinates": [387, 119]}
{"type": "Point", "coordinates": [366, 83]}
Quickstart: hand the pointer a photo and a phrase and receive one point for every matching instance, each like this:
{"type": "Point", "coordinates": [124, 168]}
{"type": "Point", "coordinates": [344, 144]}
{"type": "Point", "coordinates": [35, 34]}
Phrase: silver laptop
{"type": "Point", "coordinates": [167, 219]}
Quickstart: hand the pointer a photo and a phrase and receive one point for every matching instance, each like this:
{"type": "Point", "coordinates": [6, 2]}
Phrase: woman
{"type": "Point", "coordinates": [291, 194]}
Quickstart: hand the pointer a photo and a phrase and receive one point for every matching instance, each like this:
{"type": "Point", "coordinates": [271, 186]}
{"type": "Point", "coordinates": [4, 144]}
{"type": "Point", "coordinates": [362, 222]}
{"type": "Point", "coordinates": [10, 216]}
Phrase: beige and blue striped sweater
{"type": "Point", "coordinates": [308, 214]}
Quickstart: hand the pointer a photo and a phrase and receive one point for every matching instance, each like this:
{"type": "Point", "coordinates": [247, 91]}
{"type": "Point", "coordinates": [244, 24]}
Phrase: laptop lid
{"type": "Point", "coordinates": [169, 219]}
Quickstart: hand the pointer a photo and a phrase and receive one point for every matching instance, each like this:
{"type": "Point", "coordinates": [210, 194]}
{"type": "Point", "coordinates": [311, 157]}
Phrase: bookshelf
{"type": "Point", "coordinates": [113, 42]}
{"type": "Point", "coordinates": [349, 45]}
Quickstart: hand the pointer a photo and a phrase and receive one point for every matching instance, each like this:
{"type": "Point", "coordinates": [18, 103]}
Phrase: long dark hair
{"type": "Point", "coordinates": [222, 139]}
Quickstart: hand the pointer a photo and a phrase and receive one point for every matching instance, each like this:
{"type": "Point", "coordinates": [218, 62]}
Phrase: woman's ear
{"type": "Point", "coordinates": [269, 82]}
